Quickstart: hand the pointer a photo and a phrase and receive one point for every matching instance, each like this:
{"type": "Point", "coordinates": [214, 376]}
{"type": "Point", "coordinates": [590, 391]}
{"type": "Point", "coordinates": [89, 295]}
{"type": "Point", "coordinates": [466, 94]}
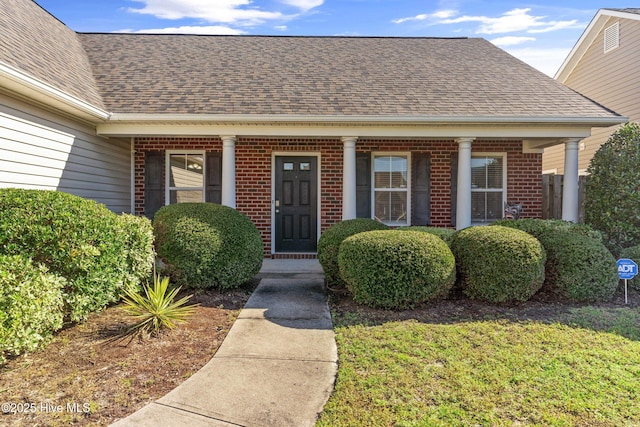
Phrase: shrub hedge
{"type": "Point", "coordinates": [139, 248]}
{"type": "Point", "coordinates": [579, 267]}
{"type": "Point", "coordinates": [207, 245]}
{"type": "Point", "coordinates": [392, 269]}
{"type": "Point", "coordinates": [330, 240]}
{"type": "Point", "coordinates": [31, 305]}
{"type": "Point", "coordinates": [78, 239]}
{"type": "Point", "coordinates": [445, 234]}
{"type": "Point", "coordinates": [498, 264]}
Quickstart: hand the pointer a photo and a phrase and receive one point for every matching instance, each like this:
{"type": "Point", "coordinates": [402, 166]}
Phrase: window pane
{"type": "Point", "coordinates": [391, 206]}
{"type": "Point", "coordinates": [185, 196]}
{"type": "Point", "coordinates": [478, 172]}
{"type": "Point", "coordinates": [494, 172]}
{"type": "Point", "coordinates": [186, 170]}
{"type": "Point", "coordinates": [486, 207]}
{"type": "Point", "coordinates": [390, 172]}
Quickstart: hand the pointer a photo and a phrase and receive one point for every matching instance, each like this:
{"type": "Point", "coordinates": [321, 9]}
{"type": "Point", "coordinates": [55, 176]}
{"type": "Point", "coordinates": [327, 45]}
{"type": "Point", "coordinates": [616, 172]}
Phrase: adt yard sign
{"type": "Point", "coordinates": [627, 269]}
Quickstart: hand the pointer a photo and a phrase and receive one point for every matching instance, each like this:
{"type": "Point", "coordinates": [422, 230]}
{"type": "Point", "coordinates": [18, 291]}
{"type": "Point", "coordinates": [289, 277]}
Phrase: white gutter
{"type": "Point", "coordinates": [368, 119]}
{"type": "Point", "coordinates": [30, 87]}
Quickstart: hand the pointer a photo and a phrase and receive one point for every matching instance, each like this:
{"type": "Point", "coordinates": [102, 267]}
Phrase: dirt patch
{"type": "Point", "coordinates": [85, 378]}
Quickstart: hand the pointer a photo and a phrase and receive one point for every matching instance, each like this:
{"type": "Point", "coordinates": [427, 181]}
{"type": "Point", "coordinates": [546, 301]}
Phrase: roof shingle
{"type": "Point", "coordinates": [188, 74]}
{"type": "Point", "coordinates": [36, 43]}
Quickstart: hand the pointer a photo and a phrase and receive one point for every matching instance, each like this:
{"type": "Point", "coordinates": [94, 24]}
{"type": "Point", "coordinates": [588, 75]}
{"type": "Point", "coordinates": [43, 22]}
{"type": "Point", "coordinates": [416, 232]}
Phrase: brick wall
{"type": "Point", "coordinates": [253, 172]}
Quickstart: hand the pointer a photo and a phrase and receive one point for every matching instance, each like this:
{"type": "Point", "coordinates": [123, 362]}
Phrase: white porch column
{"type": "Point", "coordinates": [570, 206]}
{"type": "Point", "coordinates": [349, 178]}
{"type": "Point", "coordinates": [463, 201]}
{"type": "Point", "coordinates": [229, 170]}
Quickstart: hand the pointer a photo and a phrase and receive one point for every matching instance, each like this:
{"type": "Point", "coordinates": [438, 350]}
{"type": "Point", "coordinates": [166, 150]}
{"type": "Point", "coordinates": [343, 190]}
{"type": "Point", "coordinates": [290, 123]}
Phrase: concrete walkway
{"type": "Point", "coordinates": [276, 367]}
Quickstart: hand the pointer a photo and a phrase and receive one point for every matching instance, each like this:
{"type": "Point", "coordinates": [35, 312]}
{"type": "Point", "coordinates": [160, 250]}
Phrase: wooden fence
{"type": "Point", "coordinates": [552, 196]}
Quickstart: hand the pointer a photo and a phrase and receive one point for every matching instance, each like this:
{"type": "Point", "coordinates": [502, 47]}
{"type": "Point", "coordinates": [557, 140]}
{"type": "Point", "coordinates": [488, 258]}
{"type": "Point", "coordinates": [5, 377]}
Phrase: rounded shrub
{"type": "Point", "coordinates": [445, 234]}
{"type": "Point", "coordinates": [139, 249]}
{"type": "Point", "coordinates": [31, 305]}
{"type": "Point", "coordinates": [498, 264]}
{"type": "Point", "coordinates": [330, 240]}
{"type": "Point", "coordinates": [207, 245]}
{"type": "Point", "coordinates": [392, 269]}
{"type": "Point", "coordinates": [579, 268]}
{"type": "Point", "coordinates": [78, 239]}
{"type": "Point", "coordinates": [611, 190]}
{"type": "Point", "coordinates": [632, 253]}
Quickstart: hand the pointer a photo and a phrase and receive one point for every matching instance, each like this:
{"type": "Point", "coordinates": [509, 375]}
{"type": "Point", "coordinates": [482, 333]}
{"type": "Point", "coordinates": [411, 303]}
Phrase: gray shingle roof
{"type": "Point", "coordinates": [627, 10]}
{"type": "Point", "coordinates": [36, 43]}
{"type": "Point", "coordinates": [323, 76]}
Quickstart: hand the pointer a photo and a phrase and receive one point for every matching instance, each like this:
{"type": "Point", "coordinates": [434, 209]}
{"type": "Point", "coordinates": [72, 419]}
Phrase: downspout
{"type": "Point", "coordinates": [133, 176]}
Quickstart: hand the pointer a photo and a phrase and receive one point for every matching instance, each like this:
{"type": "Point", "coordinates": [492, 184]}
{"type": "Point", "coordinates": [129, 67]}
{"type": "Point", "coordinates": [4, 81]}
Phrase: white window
{"type": "Point", "coordinates": [184, 177]}
{"type": "Point", "coordinates": [611, 37]}
{"type": "Point", "coordinates": [391, 184]}
{"type": "Point", "coordinates": [488, 187]}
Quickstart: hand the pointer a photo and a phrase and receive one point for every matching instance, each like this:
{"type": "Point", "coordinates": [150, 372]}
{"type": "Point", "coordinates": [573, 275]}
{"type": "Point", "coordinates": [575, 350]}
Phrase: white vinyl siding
{"type": "Point", "coordinates": [41, 150]}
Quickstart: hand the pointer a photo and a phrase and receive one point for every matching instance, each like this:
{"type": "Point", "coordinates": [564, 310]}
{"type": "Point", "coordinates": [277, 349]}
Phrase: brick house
{"type": "Point", "coordinates": [295, 132]}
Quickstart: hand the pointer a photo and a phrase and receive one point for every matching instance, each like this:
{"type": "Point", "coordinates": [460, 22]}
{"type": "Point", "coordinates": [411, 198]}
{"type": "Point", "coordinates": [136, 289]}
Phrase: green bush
{"type": "Point", "coordinates": [139, 249]}
{"type": "Point", "coordinates": [536, 227]}
{"type": "Point", "coordinates": [633, 253]}
{"type": "Point", "coordinates": [498, 264]}
{"type": "Point", "coordinates": [579, 268]}
{"type": "Point", "coordinates": [207, 245]}
{"type": "Point", "coordinates": [392, 269]}
{"type": "Point", "coordinates": [611, 190]}
{"type": "Point", "coordinates": [572, 272]}
{"type": "Point", "coordinates": [445, 234]}
{"type": "Point", "coordinates": [330, 241]}
{"type": "Point", "coordinates": [31, 305]}
{"type": "Point", "coordinates": [75, 238]}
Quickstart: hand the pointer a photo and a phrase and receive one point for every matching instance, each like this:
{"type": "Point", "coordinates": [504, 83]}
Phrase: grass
{"type": "Point", "coordinates": [585, 372]}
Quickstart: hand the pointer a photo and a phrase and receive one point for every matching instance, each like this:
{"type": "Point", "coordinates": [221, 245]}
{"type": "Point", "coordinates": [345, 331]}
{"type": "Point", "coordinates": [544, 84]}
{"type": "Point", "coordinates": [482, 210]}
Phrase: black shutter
{"type": "Point", "coordinates": [153, 182]}
{"type": "Point", "coordinates": [454, 187]}
{"type": "Point", "coordinates": [213, 180]}
{"type": "Point", "coordinates": [420, 189]}
{"type": "Point", "coordinates": [363, 185]}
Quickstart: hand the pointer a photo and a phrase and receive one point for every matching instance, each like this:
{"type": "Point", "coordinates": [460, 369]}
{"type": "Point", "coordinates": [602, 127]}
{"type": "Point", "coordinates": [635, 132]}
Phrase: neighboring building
{"type": "Point", "coordinates": [296, 132]}
{"type": "Point", "coordinates": [603, 66]}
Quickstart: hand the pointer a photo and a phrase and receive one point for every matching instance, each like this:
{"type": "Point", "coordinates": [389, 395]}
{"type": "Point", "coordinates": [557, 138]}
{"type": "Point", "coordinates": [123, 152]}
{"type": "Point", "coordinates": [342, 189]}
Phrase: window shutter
{"type": "Point", "coordinates": [213, 180]}
{"type": "Point", "coordinates": [363, 185]}
{"type": "Point", "coordinates": [420, 189]}
{"type": "Point", "coordinates": [454, 187]}
{"type": "Point", "coordinates": [153, 182]}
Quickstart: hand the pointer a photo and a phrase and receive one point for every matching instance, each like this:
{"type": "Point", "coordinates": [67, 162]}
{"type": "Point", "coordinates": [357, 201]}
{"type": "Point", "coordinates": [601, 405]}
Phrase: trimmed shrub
{"type": "Point", "coordinates": [611, 190]}
{"type": "Point", "coordinates": [579, 267]}
{"type": "Point", "coordinates": [445, 234]}
{"type": "Point", "coordinates": [330, 241]}
{"type": "Point", "coordinates": [207, 245]}
{"type": "Point", "coordinates": [536, 227]}
{"type": "Point", "coordinates": [78, 239]}
{"type": "Point", "coordinates": [31, 305]}
{"type": "Point", "coordinates": [633, 253]}
{"type": "Point", "coordinates": [498, 264]}
{"type": "Point", "coordinates": [392, 269]}
{"type": "Point", "coordinates": [139, 249]}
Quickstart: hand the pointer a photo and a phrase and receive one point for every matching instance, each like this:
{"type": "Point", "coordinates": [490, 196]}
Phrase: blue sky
{"type": "Point", "coordinates": [540, 33]}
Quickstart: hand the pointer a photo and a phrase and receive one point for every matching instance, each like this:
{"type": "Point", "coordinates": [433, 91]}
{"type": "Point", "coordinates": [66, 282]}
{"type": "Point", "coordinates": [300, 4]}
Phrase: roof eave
{"type": "Point", "coordinates": [28, 87]}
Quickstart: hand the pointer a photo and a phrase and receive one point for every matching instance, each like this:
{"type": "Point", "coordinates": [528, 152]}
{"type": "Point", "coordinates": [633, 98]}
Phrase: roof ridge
{"type": "Point", "coordinates": [283, 36]}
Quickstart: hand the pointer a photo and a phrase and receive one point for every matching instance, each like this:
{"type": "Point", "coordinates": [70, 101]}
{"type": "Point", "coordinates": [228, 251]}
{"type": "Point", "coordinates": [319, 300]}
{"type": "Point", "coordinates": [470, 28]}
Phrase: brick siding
{"type": "Point", "coordinates": [254, 159]}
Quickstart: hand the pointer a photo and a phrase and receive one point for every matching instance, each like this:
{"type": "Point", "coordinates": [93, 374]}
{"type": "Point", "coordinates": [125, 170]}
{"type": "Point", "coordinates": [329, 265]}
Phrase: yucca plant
{"type": "Point", "coordinates": [157, 308]}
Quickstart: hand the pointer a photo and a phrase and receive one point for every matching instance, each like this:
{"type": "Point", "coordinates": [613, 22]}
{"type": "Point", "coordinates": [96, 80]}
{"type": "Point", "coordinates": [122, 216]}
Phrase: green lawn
{"type": "Point", "coordinates": [583, 372]}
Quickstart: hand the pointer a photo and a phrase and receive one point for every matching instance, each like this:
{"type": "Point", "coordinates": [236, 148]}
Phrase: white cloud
{"type": "Point", "coordinates": [203, 30]}
{"type": "Point", "coordinates": [515, 20]}
{"type": "Point", "coordinates": [440, 14]}
{"type": "Point", "coordinates": [511, 40]}
{"type": "Point", "coordinates": [303, 5]}
{"type": "Point", "coordinates": [547, 60]}
{"type": "Point", "coordinates": [236, 12]}
{"type": "Point", "coordinates": [281, 27]}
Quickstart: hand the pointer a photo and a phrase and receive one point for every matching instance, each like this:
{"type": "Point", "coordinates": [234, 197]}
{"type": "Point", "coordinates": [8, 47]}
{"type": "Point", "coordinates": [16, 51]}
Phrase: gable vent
{"type": "Point", "coordinates": [611, 37]}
